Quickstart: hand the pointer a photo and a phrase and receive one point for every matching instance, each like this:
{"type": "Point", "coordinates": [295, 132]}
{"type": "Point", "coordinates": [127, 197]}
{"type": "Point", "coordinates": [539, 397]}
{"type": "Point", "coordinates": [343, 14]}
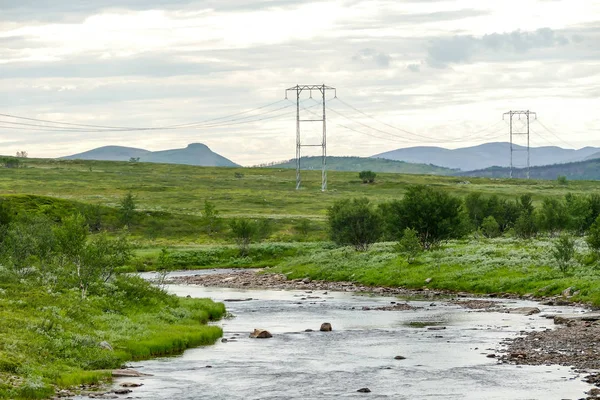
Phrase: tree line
{"type": "Point", "coordinates": [432, 216]}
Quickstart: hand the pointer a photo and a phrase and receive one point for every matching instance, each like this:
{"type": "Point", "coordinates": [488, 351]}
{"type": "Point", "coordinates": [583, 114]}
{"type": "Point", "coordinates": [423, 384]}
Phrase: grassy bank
{"type": "Point", "coordinates": [51, 339]}
{"type": "Point", "coordinates": [503, 265]}
{"type": "Point", "coordinates": [222, 256]}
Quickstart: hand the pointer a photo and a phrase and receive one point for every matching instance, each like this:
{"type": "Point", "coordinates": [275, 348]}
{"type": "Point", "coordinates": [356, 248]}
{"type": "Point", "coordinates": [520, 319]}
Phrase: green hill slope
{"type": "Point", "coordinates": [358, 164]}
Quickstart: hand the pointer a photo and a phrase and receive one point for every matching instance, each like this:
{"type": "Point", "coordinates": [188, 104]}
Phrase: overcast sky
{"type": "Point", "coordinates": [442, 70]}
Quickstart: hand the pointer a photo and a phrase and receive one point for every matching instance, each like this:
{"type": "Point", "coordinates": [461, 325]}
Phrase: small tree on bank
{"type": "Point", "coordinates": [409, 245]}
{"type": "Point", "coordinates": [243, 231]}
{"type": "Point", "coordinates": [367, 176]}
{"type": "Point", "coordinates": [210, 218]}
{"type": "Point", "coordinates": [354, 222]}
{"type": "Point", "coordinates": [564, 252]}
{"type": "Point", "coordinates": [127, 208]}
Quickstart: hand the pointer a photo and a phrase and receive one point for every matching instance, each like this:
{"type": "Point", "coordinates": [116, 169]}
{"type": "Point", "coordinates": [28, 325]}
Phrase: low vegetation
{"type": "Point", "coordinates": [69, 316]}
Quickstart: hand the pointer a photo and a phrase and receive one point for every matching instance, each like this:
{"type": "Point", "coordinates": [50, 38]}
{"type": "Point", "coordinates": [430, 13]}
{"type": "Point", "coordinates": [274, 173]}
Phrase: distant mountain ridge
{"type": "Point", "coordinates": [364, 163]}
{"type": "Point", "coordinates": [488, 155]}
{"type": "Point", "coordinates": [580, 170]}
{"type": "Point", "coordinates": [194, 154]}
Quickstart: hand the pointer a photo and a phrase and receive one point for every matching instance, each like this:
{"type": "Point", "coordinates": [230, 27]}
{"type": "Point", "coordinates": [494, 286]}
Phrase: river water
{"type": "Point", "coordinates": [359, 352]}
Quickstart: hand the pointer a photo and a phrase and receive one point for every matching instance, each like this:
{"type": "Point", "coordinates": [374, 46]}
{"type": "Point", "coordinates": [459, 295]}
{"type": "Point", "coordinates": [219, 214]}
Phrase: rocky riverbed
{"type": "Point", "coordinates": [575, 342]}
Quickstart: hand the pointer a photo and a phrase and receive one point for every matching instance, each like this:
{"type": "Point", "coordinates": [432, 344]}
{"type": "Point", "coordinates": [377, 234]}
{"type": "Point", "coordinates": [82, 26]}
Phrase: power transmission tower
{"type": "Point", "coordinates": [323, 90]}
{"type": "Point", "coordinates": [519, 130]}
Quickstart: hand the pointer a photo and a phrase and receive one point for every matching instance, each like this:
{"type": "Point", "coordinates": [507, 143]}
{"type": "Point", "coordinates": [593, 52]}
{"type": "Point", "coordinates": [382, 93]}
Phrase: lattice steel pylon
{"type": "Point", "coordinates": [323, 90]}
{"type": "Point", "coordinates": [525, 131]}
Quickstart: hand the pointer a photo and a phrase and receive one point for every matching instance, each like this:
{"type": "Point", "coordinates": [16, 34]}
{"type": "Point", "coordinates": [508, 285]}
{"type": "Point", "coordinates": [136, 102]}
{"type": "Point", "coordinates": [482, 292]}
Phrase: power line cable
{"type": "Point", "coordinates": [235, 121]}
{"type": "Point", "coordinates": [126, 128]}
{"type": "Point", "coordinates": [554, 134]}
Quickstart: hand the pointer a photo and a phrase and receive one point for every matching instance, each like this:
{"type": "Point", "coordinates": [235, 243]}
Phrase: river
{"type": "Point", "coordinates": [449, 363]}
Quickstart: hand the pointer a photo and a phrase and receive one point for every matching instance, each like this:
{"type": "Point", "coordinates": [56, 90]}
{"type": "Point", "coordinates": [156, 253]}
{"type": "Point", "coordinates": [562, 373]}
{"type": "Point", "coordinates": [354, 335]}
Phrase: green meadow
{"type": "Point", "coordinates": [50, 337]}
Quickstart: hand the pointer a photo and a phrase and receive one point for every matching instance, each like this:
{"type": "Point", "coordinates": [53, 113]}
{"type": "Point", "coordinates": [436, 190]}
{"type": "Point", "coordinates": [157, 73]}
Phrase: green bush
{"type": "Point", "coordinates": [525, 226]}
{"type": "Point", "coordinates": [127, 209]}
{"type": "Point", "coordinates": [354, 222]}
{"type": "Point", "coordinates": [367, 176]}
{"type": "Point", "coordinates": [409, 245]}
{"type": "Point", "coordinates": [490, 227]}
{"type": "Point", "coordinates": [593, 236]}
{"type": "Point", "coordinates": [564, 252]}
{"type": "Point", "coordinates": [244, 231]}
{"type": "Point", "coordinates": [433, 214]}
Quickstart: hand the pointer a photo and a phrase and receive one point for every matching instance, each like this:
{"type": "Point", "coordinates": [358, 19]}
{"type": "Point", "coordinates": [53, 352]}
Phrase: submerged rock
{"type": "Point", "coordinates": [261, 334]}
{"type": "Point", "coordinates": [131, 384]}
{"type": "Point", "coordinates": [399, 358]}
{"type": "Point", "coordinates": [127, 373]}
{"type": "Point", "coordinates": [524, 310]}
{"type": "Point", "coordinates": [325, 327]}
{"type": "Point", "coordinates": [364, 390]}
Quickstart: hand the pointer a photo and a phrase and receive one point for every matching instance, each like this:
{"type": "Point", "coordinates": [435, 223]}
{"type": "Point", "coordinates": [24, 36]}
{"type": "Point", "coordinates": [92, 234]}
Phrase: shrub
{"type": "Point", "coordinates": [561, 179]}
{"type": "Point", "coordinates": [593, 236]}
{"type": "Point", "coordinates": [552, 215]}
{"type": "Point", "coordinates": [244, 231]}
{"type": "Point", "coordinates": [435, 215]}
{"type": "Point", "coordinates": [526, 204]}
{"type": "Point", "coordinates": [525, 227]}
{"type": "Point", "coordinates": [164, 265]}
{"type": "Point", "coordinates": [563, 252]}
{"type": "Point", "coordinates": [409, 245]}
{"type": "Point", "coordinates": [476, 207]}
{"type": "Point", "coordinates": [367, 176]}
{"type": "Point", "coordinates": [354, 222]}
{"type": "Point", "coordinates": [210, 218]}
{"type": "Point", "coordinates": [303, 227]}
{"type": "Point", "coordinates": [490, 227]}
{"type": "Point", "coordinates": [127, 208]}
{"type": "Point", "coordinates": [578, 210]}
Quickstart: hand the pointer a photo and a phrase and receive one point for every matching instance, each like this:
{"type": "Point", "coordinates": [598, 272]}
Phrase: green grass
{"type": "Point", "coordinates": [358, 164]}
{"type": "Point", "coordinates": [222, 256]}
{"type": "Point", "coordinates": [51, 339]}
{"type": "Point", "coordinates": [503, 265]}
{"type": "Point", "coordinates": [170, 198]}
{"type": "Point", "coordinates": [262, 192]}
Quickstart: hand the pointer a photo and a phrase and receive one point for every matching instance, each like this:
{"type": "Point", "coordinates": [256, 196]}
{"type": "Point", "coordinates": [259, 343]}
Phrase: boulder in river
{"type": "Point", "coordinates": [261, 334]}
{"type": "Point", "coordinates": [364, 390]}
{"type": "Point", "coordinates": [399, 358]}
{"type": "Point", "coordinates": [127, 373]}
{"type": "Point", "coordinates": [131, 384]}
{"type": "Point", "coordinates": [325, 327]}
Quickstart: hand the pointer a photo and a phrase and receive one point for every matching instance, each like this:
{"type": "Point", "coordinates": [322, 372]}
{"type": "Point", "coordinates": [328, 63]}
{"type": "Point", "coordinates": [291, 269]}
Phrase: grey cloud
{"type": "Point", "coordinates": [414, 67]}
{"type": "Point", "coordinates": [71, 11]}
{"type": "Point", "coordinates": [458, 49]}
{"type": "Point", "coordinates": [86, 66]}
{"type": "Point", "coordinates": [437, 16]}
{"type": "Point", "coordinates": [372, 56]}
